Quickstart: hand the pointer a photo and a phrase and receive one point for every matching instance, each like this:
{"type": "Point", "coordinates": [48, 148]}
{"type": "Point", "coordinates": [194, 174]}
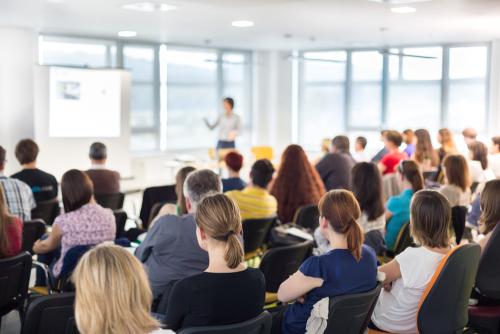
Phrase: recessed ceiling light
{"type": "Point", "coordinates": [149, 7]}
{"type": "Point", "coordinates": [403, 10]}
{"type": "Point", "coordinates": [127, 33]}
{"type": "Point", "coordinates": [242, 24]}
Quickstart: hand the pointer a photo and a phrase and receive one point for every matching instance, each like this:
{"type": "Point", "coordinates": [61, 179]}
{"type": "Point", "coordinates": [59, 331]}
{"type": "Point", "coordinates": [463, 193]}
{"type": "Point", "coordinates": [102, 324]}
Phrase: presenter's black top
{"type": "Point", "coordinates": [212, 299]}
{"type": "Point", "coordinates": [43, 185]}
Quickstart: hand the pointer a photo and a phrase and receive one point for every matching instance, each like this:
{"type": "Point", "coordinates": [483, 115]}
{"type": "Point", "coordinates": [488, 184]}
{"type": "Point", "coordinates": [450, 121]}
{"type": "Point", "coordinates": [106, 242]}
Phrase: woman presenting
{"type": "Point", "coordinates": [229, 125]}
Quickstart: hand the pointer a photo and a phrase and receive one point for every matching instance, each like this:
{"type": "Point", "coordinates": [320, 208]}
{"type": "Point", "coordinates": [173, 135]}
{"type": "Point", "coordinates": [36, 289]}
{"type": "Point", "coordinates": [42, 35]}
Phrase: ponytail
{"type": "Point", "coordinates": [234, 251]}
{"type": "Point", "coordinates": [409, 169]}
{"type": "Point", "coordinates": [355, 239]}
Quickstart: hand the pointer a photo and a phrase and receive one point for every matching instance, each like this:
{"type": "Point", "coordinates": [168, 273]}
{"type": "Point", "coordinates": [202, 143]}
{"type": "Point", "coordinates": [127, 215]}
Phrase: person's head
{"type": "Point", "coordinates": [479, 152]}
{"type": "Point", "coordinates": [430, 219]}
{"type": "Point", "coordinates": [98, 153]}
{"type": "Point", "coordinates": [470, 135]}
{"type": "Point", "coordinates": [495, 147]}
{"type": "Point", "coordinates": [228, 103]}
{"type": "Point", "coordinates": [262, 173]}
{"type": "Point", "coordinates": [367, 188]}
{"type": "Point", "coordinates": [179, 187]}
{"type": "Point", "coordinates": [392, 140]}
{"type": "Point", "coordinates": [325, 145]}
{"type": "Point", "coordinates": [410, 173]}
{"type": "Point", "coordinates": [340, 144]}
{"type": "Point", "coordinates": [234, 161]}
{"type": "Point", "coordinates": [445, 138]}
{"type": "Point", "coordinates": [219, 225]}
{"type": "Point", "coordinates": [360, 144]}
{"type": "Point", "coordinates": [5, 221]}
{"type": "Point", "coordinates": [3, 158]}
{"type": "Point", "coordinates": [77, 190]}
{"type": "Point", "coordinates": [383, 133]}
{"type": "Point", "coordinates": [456, 171]}
{"type": "Point", "coordinates": [112, 293]}
{"type": "Point", "coordinates": [408, 136]}
{"type": "Point", "coordinates": [26, 151]}
{"type": "Point", "coordinates": [339, 212]}
{"type": "Point", "coordinates": [424, 149]}
{"type": "Point", "coordinates": [198, 184]}
{"type": "Point", "coordinates": [490, 206]}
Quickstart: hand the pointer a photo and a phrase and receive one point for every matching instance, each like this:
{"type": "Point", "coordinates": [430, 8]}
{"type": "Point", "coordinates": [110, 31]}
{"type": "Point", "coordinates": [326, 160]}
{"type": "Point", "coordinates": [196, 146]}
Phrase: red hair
{"type": "Point", "coordinates": [234, 161]}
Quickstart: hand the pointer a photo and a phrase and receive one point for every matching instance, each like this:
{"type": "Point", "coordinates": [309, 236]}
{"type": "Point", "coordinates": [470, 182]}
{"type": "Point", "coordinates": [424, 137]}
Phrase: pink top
{"type": "Point", "coordinates": [89, 225]}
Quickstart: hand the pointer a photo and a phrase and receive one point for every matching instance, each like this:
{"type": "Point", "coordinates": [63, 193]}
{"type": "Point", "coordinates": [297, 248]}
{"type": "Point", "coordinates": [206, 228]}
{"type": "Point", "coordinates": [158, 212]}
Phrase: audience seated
{"type": "Point", "coordinates": [490, 210]}
{"type": "Point", "coordinates": [113, 294]}
{"type": "Point", "coordinates": [11, 231]}
{"type": "Point", "coordinates": [18, 196]}
{"type": "Point", "coordinates": [494, 157]}
{"type": "Point", "coordinates": [478, 163]}
{"type": "Point", "coordinates": [359, 154]}
{"type": "Point", "coordinates": [297, 183]}
{"type": "Point", "coordinates": [425, 155]}
{"type": "Point", "coordinates": [350, 267]}
{"type": "Point", "coordinates": [445, 139]}
{"type": "Point", "coordinates": [335, 167]}
{"type": "Point", "coordinates": [391, 159]}
{"type": "Point", "coordinates": [254, 201]}
{"type": "Point", "coordinates": [407, 276]}
{"type": "Point", "coordinates": [43, 185]}
{"type": "Point", "coordinates": [409, 140]}
{"type": "Point", "coordinates": [380, 154]}
{"type": "Point", "coordinates": [234, 163]}
{"type": "Point", "coordinates": [105, 181]}
{"type": "Point", "coordinates": [227, 291]}
{"type": "Point", "coordinates": [457, 181]}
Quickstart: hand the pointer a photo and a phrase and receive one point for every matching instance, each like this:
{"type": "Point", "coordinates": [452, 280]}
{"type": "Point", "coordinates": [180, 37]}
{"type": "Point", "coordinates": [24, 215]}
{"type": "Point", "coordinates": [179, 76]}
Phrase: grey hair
{"type": "Point", "coordinates": [200, 183]}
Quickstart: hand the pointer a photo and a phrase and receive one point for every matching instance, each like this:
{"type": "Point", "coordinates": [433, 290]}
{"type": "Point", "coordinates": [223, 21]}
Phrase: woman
{"type": "Point", "coordinates": [113, 294]}
{"type": "Point", "coordinates": [478, 163]}
{"type": "Point", "coordinates": [297, 183]}
{"type": "Point", "coordinates": [11, 230]}
{"type": "Point", "coordinates": [407, 276]}
{"type": "Point", "coordinates": [490, 210]}
{"type": "Point", "coordinates": [445, 139]}
{"type": "Point", "coordinates": [227, 292]}
{"type": "Point", "coordinates": [83, 222]}
{"type": "Point", "coordinates": [425, 155]}
{"type": "Point", "coordinates": [350, 267]}
{"type": "Point", "coordinates": [229, 125]}
{"type": "Point", "coordinates": [457, 181]}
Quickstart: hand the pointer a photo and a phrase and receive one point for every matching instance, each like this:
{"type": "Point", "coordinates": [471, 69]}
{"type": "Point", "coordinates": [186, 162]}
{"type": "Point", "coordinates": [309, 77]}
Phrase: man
{"type": "Point", "coordinates": [234, 163]}
{"type": "Point", "coordinates": [170, 251]}
{"type": "Point", "coordinates": [105, 181]}
{"type": "Point", "coordinates": [335, 168]}
{"type": "Point", "coordinates": [254, 201]}
{"type": "Point", "coordinates": [18, 195]}
{"type": "Point", "coordinates": [391, 160]}
{"type": "Point", "coordinates": [43, 185]}
{"type": "Point", "coordinates": [360, 150]}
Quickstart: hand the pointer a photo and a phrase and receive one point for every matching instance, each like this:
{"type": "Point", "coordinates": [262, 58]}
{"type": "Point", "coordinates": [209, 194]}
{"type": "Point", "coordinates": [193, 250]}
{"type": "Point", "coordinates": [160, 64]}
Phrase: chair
{"type": "Point", "coordinates": [263, 152]}
{"type": "Point", "coordinates": [155, 210]}
{"type": "Point", "coordinates": [403, 241]}
{"type": "Point", "coordinates": [307, 217]}
{"type": "Point", "coordinates": [32, 231]}
{"type": "Point", "coordinates": [259, 325]}
{"type": "Point", "coordinates": [153, 195]}
{"type": "Point", "coordinates": [255, 232]}
{"type": "Point", "coordinates": [47, 211]}
{"type": "Point", "coordinates": [350, 314]}
{"type": "Point", "coordinates": [458, 217]}
{"type": "Point", "coordinates": [375, 239]}
{"type": "Point", "coordinates": [121, 220]}
{"type": "Point", "coordinates": [52, 314]}
{"type": "Point", "coordinates": [110, 201]}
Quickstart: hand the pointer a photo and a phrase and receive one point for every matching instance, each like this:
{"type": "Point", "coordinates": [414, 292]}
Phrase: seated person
{"type": "Point", "coordinates": [494, 157]}
{"type": "Point", "coordinates": [227, 291]}
{"type": "Point", "coordinates": [408, 275]}
{"type": "Point", "coordinates": [480, 170]}
{"type": "Point", "coordinates": [350, 267]}
{"type": "Point", "coordinates": [170, 251]}
{"type": "Point", "coordinates": [43, 185]}
{"type": "Point", "coordinates": [380, 154]}
{"type": "Point", "coordinates": [409, 140]}
{"type": "Point", "coordinates": [105, 181]}
{"type": "Point", "coordinates": [490, 210]}
{"type": "Point", "coordinates": [254, 201]}
{"type": "Point", "coordinates": [359, 154]}
{"type": "Point", "coordinates": [11, 231]}
{"type": "Point", "coordinates": [335, 167]}
{"type": "Point", "coordinates": [234, 162]}
{"type": "Point", "coordinates": [391, 160]}
{"type": "Point", "coordinates": [457, 182]}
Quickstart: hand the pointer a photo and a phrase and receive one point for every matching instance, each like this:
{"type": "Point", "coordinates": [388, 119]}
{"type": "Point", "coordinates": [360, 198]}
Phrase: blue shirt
{"type": "Point", "coordinates": [399, 206]}
{"type": "Point", "coordinates": [409, 150]}
{"type": "Point", "coordinates": [233, 183]}
{"type": "Point", "coordinates": [341, 275]}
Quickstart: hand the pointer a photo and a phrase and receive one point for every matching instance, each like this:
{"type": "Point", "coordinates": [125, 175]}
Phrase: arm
{"type": "Point", "coordinates": [391, 270]}
{"type": "Point", "coordinates": [388, 215]}
{"type": "Point", "coordinates": [297, 286]}
{"type": "Point", "coordinates": [49, 244]}
{"type": "Point", "coordinates": [145, 249]}
{"type": "Point", "coordinates": [214, 125]}
{"type": "Point", "coordinates": [382, 167]}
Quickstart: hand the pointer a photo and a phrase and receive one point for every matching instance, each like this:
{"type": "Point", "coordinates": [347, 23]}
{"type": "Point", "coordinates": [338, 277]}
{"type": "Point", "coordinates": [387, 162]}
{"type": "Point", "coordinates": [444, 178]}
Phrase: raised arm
{"type": "Point", "coordinates": [210, 125]}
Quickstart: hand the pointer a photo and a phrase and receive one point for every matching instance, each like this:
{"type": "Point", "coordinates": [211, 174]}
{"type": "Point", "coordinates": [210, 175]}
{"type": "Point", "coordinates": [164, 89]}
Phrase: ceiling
{"type": "Point", "coordinates": [279, 24]}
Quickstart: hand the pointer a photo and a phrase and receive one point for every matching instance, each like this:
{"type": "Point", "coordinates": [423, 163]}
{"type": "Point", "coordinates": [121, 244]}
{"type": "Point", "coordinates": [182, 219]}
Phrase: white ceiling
{"type": "Point", "coordinates": [312, 24]}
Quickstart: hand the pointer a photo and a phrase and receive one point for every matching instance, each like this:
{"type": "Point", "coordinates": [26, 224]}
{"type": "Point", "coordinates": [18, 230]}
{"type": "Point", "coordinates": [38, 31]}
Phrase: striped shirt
{"type": "Point", "coordinates": [254, 203]}
{"type": "Point", "coordinates": [18, 196]}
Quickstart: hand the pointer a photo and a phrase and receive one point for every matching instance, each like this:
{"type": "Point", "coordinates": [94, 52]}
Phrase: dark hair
{"type": "Point", "coordinates": [77, 189]}
{"type": "Point", "coordinates": [394, 137]}
{"type": "Point", "coordinates": [262, 173]}
{"type": "Point", "coordinates": [179, 187]}
{"type": "Point", "coordinates": [424, 149]}
{"type": "Point", "coordinates": [490, 206]}
{"type": "Point", "coordinates": [98, 151]}
{"type": "Point", "coordinates": [362, 141]}
{"type": "Point", "coordinates": [341, 143]}
{"type": "Point", "coordinates": [3, 153]}
{"type": "Point", "coordinates": [496, 141]}
{"type": "Point", "coordinates": [410, 171]}
{"type": "Point", "coordinates": [26, 151]}
{"type": "Point", "coordinates": [230, 101]}
{"type": "Point", "coordinates": [479, 153]}
{"type": "Point", "coordinates": [200, 183]}
{"type": "Point", "coordinates": [367, 188]}
{"type": "Point", "coordinates": [409, 136]}
{"type": "Point", "coordinates": [234, 161]}
{"type": "Point", "coordinates": [457, 171]}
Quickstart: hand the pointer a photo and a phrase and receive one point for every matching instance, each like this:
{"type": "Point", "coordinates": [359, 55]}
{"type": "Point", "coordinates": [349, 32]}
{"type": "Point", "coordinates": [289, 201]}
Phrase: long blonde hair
{"type": "Point", "coordinates": [112, 293]}
{"type": "Point", "coordinates": [5, 221]}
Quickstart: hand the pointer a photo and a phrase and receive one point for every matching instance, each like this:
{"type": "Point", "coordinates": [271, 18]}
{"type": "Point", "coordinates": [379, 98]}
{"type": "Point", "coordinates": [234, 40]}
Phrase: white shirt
{"type": "Point", "coordinates": [494, 164]}
{"type": "Point", "coordinates": [455, 195]}
{"type": "Point", "coordinates": [229, 126]}
{"type": "Point", "coordinates": [361, 156]}
{"type": "Point", "coordinates": [478, 174]}
{"type": "Point", "coordinates": [396, 310]}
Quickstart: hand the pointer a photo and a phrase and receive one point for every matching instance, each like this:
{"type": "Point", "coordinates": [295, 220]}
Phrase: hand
{"type": "Point", "coordinates": [36, 245]}
{"type": "Point", "coordinates": [388, 287]}
{"type": "Point", "coordinates": [301, 300]}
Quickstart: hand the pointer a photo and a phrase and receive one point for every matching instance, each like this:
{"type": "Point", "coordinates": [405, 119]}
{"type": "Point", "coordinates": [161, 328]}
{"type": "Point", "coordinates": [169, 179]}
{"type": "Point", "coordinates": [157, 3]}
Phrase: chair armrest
{"type": "Point", "coordinates": [45, 269]}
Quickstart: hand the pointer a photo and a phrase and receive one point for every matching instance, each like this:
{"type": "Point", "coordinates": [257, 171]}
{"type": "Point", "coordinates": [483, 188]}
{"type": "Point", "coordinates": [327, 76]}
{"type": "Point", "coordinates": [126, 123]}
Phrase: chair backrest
{"type": "Point", "coordinates": [350, 314]}
{"type": "Point", "coordinates": [110, 201]}
{"type": "Point", "coordinates": [258, 325]}
{"type": "Point", "coordinates": [155, 210]}
{"type": "Point", "coordinates": [153, 195]}
{"type": "Point", "coordinates": [443, 307]}
{"type": "Point", "coordinates": [32, 231]}
{"type": "Point", "coordinates": [488, 273]}
{"type": "Point", "coordinates": [403, 240]}
{"type": "Point", "coordinates": [458, 217]}
{"type": "Point", "coordinates": [375, 239]}
{"type": "Point", "coordinates": [70, 261]}
{"type": "Point", "coordinates": [255, 232]}
{"type": "Point", "coordinates": [121, 220]}
{"type": "Point", "coordinates": [14, 280]}
{"type": "Point", "coordinates": [279, 263]}
{"type": "Point", "coordinates": [53, 314]}
{"type": "Point", "coordinates": [47, 211]}
{"type": "Point", "coordinates": [263, 152]}
{"type": "Point", "coordinates": [307, 217]}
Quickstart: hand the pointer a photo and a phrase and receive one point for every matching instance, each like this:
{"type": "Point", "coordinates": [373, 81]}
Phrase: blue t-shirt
{"type": "Point", "coordinates": [233, 183]}
{"type": "Point", "coordinates": [341, 275]}
{"type": "Point", "coordinates": [399, 206]}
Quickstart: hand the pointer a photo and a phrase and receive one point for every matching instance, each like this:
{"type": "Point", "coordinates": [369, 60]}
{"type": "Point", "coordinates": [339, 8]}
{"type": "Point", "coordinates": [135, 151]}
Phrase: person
{"type": "Point", "coordinates": [478, 163]}
{"type": "Point", "coordinates": [43, 185]}
{"type": "Point", "coordinates": [227, 291]}
{"type": "Point", "coordinates": [407, 276]}
{"type": "Point", "coordinates": [490, 210]}
{"type": "Point", "coordinates": [18, 195]}
{"type": "Point", "coordinates": [254, 201]}
{"type": "Point", "coordinates": [113, 294]}
{"type": "Point", "coordinates": [234, 163]}
{"type": "Point", "coordinates": [391, 160]}
{"type": "Point", "coordinates": [105, 181]}
{"type": "Point", "coordinates": [409, 139]}
{"type": "Point", "coordinates": [11, 231]}
{"type": "Point", "coordinates": [170, 250]}
{"type": "Point", "coordinates": [350, 267]}
{"type": "Point", "coordinates": [470, 135]}
{"type": "Point", "coordinates": [297, 183]}
{"type": "Point", "coordinates": [335, 168]}
{"type": "Point", "coordinates": [380, 154]}
{"type": "Point", "coordinates": [359, 154]}
{"type": "Point", "coordinates": [83, 222]}
{"type": "Point", "coordinates": [398, 207]}
{"type": "Point", "coordinates": [229, 125]}
{"type": "Point", "coordinates": [445, 139]}
{"type": "Point", "coordinates": [494, 157]}
{"type": "Point", "coordinates": [425, 155]}
{"type": "Point", "coordinates": [457, 181]}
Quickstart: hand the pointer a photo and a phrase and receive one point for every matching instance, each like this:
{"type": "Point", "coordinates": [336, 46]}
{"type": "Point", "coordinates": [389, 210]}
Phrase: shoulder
{"type": "Point", "coordinates": [368, 253]}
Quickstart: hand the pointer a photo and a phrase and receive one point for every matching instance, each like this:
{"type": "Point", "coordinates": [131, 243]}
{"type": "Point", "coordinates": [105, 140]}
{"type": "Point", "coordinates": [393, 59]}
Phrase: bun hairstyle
{"type": "Point", "coordinates": [410, 171]}
{"type": "Point", "coordinates": [342, 211]}
{"type": "Point", "coordinates": [219, 217]}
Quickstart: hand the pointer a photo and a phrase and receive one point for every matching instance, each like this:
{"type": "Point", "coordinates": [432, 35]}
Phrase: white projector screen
{"type": "Point", "coordinates": [84, 103]}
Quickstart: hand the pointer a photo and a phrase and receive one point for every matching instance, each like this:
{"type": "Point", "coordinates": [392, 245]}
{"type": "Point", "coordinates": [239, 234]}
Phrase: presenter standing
{"type": "Point", "coordinates": [229, 125]}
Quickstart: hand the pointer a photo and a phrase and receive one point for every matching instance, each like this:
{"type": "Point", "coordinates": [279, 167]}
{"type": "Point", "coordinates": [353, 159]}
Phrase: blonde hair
{"type": "Point", "coordinates": [112, 293]}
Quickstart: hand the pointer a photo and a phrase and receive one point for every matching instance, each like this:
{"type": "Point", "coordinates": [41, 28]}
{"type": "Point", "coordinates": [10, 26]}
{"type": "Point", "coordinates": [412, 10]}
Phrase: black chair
{"type": "Point", "coordinates": [47, 211]}
{"type": "Point", "coordinates": [255, 232]}
{"type": "Point", "coordinates": [52, 314]}
{"type": "Point", "coordinates": [307, 217]}
{"type": "Point", "coordinates": [375, 239]}
{"type": "Point", "coordinates": [259, 325]}
{"type": "Point", "coordinates": [154, 195]}
{"type": "Point", "coordinates": [110, 201]}
{"type": "Point", "coordinates": [121, 219]}
{"type": "Point", "coordinates": [458, 217]}
{"type": "Point", "coordinates": [155, 210]}
{"type": "Point", "coordinates": [403, 241]}
{"type": "Point", "coordinates": [350, 314]}
{"type": "Point", "coordinates": [32, 231]}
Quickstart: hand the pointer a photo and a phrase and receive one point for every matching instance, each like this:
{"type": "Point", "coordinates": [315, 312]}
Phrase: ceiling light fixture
{"type": "Point", "coordinates": [127, 33]}
{"type": "Point", "coordinates": [149, 7]}
{"type": "Point", "coordinates": [403, 10]}
{"type": "Point", "coordinates": [242, 24]}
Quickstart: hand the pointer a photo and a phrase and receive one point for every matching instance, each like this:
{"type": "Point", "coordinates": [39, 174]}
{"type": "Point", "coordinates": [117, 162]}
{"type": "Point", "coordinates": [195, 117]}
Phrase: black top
{"type": "Point", "coordinates": [210, 299]}
{"type": "Point", "coordinates": [233, 183]}
{"type": "Point", "coordinates": [43, 185]}
{"type": "Point", "coordinates": [335, 170]}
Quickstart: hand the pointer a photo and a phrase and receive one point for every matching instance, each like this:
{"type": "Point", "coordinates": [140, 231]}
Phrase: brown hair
{"type": "Point", "coordinates": [77, 189]}
{"type": "Point", "coordinates": [179, 187]}
{"type": "Point", "coordinates": [410, 135]}
{"type": "Point", "coordinates": [368, 190]}
{"type": "Point", "coordinates": [447, 142]}
{"type": "Point", "coordinates": [3, 153]}
{"type": "Point", "coordinates": [5, 221]}
{"type": "Point", "coordinates": [394, 137]}
{"type": "Point", "coordinates": [234, 161]}
{"type": "Point", "coordinates": [430, 219]}
{"type": "Point", "coordinates": [26, 151]}
{"type": "Point", "coordinates": [479, 153]}
{"type": "Point", "coordinates": [424, 150]}
{"type": "Point", "coordinates": [342, 211]}
{"type": "Point", "coordinates": [219, 217]}
{"type": "Point", "coordinates": [410, 171]}
{"type": "Point", "coordinates": [457, 171]}
{"type": "Point", "coordinates": [341, 143]}
{"type": "Point", "coordinates": [490, 206]}
{"type": "Point", "coordinates": [496, 141]}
